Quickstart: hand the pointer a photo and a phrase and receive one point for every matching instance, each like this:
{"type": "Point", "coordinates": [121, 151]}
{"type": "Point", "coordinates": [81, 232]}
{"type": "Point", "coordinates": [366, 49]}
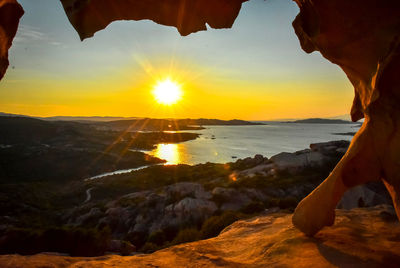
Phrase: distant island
{"type": "Point", "coordinates": [321, 121]}
{"type": "Point", "coordinates": [151, 124]}
{"type": "Point", "coordinates": [217, 122]}
{"type": "Point", "coordinates": [345, 133]}
{"type": "Point", "coordinates": [87, 118]}
{"type": "Point", "coordinates": [187, 121]}
{"type": "Point", "coordinates": [141, 124]}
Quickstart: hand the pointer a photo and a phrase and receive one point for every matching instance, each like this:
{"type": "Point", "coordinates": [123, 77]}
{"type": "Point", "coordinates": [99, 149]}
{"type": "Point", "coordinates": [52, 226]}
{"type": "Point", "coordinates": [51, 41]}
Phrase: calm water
{"type": "Point", "coordinates": [221, 144]}
{"type": "Point", "coordinates": [116, 172]}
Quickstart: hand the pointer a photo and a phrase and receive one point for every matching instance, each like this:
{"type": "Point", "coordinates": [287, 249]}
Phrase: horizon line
{"type": "Point", "coordinates": [169, 118]}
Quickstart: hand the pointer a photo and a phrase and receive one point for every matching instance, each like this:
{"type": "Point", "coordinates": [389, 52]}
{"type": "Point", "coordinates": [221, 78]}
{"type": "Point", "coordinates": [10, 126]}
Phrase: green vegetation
{"type": "Point", "coordinates": [158, 238]}
{"type": "Point", "coordinates": [148, 140]}
{"type": "Point", "coordinates": [149, 247]}
{"type": "Point", "coordinates": [209, 228]}
{"type": "Point", "coordinates": [186, 235]}
{"type": "Point", "coordinates": [74, 241]}
{"type": "Point", "coordinates": [210, 175]}
{"type": "Point", "coordinates": [37, 206]}
{"type": "Point", "coordinates": [23, 201]}
{"type": "Point", "coordinates": [214, 225]}
{"type": "Point", "coordinates": [37, 150]}
{"type": "Point", "coordinates": [253, 208]}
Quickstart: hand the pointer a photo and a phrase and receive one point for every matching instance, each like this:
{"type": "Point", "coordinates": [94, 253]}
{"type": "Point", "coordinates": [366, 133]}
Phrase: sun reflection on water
{"type": "Point", "coordinates": [168, 152]}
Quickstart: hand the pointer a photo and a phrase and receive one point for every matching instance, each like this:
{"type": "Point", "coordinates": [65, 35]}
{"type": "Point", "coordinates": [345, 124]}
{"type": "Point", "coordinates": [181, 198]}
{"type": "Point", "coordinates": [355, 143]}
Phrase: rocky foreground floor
{"type": "Point", "coordinates": [361, 237]}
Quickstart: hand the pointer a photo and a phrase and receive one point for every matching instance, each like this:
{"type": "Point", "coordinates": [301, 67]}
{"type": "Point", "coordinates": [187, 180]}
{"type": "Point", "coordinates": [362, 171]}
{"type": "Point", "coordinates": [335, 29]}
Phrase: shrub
{"type": "Point", "coordinates": [288, 202]}
{"type": "Point", "coordinates": [186, 235]}
{"type": "Point", "coordinates": [170, 232]}
{"type": "Point", "coordinates": [74, 241]}
{"type": "Point", "coordinates": [253, 208]}
{"type": "Point", "coordinates": [138, 239]}
{"type": "Point", "coordinates": [157, 237]}
{"type": "Point", "coordinates": [214, 225]}
{"type": "Point", "coordinates": [149, 247]}
{"type": "Point", "coordinates": [218, 199]}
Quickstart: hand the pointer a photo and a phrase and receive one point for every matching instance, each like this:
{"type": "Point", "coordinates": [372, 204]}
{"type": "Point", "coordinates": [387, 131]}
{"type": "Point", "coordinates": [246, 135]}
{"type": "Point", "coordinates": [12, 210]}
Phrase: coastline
{"type": "Point", "coordinates": [160, 206]}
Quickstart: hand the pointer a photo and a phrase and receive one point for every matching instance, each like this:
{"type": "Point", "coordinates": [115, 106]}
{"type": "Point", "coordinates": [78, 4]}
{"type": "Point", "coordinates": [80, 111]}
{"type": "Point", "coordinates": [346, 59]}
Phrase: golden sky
{"type": "Point", "coordinates": [255, 71]}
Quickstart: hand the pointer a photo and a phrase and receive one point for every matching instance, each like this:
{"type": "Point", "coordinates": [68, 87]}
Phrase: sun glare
{"type": "Point", "coordinates": [169, 152]}
{"type": "Point", "coordinates": [167, 92]}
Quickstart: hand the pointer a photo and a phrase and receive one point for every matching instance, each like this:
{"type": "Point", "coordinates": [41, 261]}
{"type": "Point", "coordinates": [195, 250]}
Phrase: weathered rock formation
{"type": "Point", "coordinates": [264, 241]}
{"type": "Point", "coordinates": [88, 17]}
{"type": "Point", "coordinates": [10, 13]}
{"type": "Point", "coordinates": [361, 36]}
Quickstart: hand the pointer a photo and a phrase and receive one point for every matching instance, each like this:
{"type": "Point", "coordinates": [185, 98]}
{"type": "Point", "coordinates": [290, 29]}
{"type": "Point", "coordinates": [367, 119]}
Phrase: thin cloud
{"type": "Point", "coordinates": [27, 33]}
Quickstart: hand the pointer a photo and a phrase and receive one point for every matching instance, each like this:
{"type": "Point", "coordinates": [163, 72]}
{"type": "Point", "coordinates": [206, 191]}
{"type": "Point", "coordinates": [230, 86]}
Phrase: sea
{"type": "Point", "coordinates": [222, 144]}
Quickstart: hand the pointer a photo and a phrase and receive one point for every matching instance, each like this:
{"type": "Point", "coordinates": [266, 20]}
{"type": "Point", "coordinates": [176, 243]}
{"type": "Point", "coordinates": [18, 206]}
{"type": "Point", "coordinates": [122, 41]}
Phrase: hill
{"type": "Point", "coordinates": [218, 122]}
{"type": "Point", "coordinates": [322, 121]}
{"type": "Point", "coordinates": [86, 118]}
{"type": "Point", "coordinates": [150, 124]}
{"type": "Point", "coordinates": [138, 124]}
{"type": "Point", "coordinates": [37, 150]}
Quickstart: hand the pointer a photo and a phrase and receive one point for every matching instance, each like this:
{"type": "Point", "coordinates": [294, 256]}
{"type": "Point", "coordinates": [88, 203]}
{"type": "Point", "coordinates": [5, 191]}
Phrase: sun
{"type": "Point", "coordinates": [167, 92]}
